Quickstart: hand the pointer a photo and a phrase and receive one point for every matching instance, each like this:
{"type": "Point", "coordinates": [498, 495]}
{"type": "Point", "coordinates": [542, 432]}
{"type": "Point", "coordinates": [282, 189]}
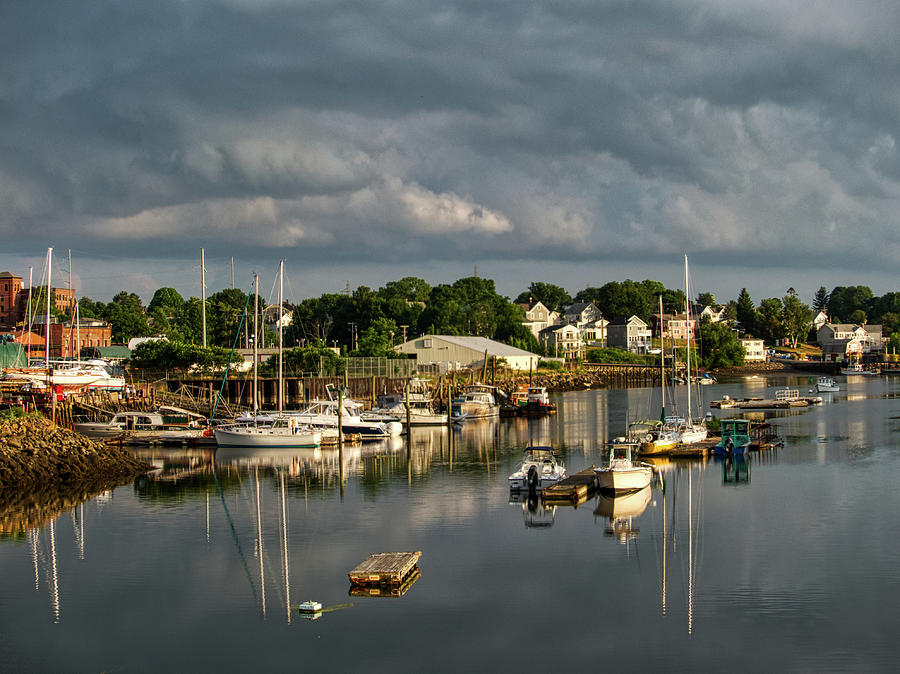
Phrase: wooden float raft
{"type": "Point", "coordinates": [385, 568]}
{"type": "Point", "coordinates": [573, 490]}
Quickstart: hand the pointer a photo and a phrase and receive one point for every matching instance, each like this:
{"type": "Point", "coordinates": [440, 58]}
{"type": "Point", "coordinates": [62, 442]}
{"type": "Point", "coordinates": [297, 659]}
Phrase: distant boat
{"type": "Point", "coordinates": [826, 385]}
{"type": "Point", "coordinates": [477, 402]}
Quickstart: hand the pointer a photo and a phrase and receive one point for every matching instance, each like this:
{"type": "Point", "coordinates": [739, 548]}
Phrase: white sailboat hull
{"type": "Point", "coordinates": [262, 436]}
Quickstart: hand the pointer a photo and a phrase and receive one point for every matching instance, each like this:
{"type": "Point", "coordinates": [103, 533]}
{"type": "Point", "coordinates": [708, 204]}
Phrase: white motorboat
{"type": "Point", "coordinates": [858, 369]}
{"type": "Point", "coordinates": [164, 426]}
{"type": "Point", "coordinates": [539, 469]}
{"type": "Point", "coordinates": [622, 473]}
{"type": "Point", "coordinates": [477, 402]}
{"type": "Point", "coordinates": [323, 414]}
{"type": "Point", "coordinates": [69, 375]}
{"type": "Point", "coordinates": [826, 385]}
{"type": "Point", "coordinates": [421, 406]}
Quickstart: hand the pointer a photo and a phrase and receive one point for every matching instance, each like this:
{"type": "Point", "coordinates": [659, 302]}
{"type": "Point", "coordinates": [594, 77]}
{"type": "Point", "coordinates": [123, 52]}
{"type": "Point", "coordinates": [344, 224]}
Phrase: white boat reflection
{"type": "Point", "coordinates": [620, 512]}
{"type": "Point", "coordinates": [320, 461]}
{"type": "Point", "coordinates": [534, 513]}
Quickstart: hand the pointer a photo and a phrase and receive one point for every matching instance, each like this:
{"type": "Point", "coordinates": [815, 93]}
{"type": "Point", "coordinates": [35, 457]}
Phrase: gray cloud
{"type": "Point", "coordinates": [580, 133]}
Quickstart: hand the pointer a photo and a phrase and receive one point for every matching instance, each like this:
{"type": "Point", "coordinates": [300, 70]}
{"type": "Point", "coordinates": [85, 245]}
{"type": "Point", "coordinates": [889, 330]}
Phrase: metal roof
{"type": "Point", "coordinates": [482, 344]}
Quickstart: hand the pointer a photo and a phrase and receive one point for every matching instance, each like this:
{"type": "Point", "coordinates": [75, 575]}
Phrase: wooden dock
{"type": "Point", "coordinates": [385, 568]}
{"type": "Point", "coordinates": [573, 490]}
{"type": "Point", "coordinates": [386, 590]}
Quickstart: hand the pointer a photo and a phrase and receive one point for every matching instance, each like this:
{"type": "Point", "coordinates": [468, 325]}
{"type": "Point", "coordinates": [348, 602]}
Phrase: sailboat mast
{"type": "Point", "coordinates": [662, 360]}
{"type": "Point", "coordinates": [687, 320]}
{"type": "Point", "coordinates": [203, 294]}
{"type": "Point", "coordinates": [255, 340]}
{"type": "Point", "coordinates": [47, 325]}
{"type": "Point", "coordinates": [280, 335]}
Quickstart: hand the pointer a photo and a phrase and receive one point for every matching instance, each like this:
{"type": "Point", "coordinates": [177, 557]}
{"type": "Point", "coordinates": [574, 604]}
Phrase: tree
{"type": "Point", "coordinates": [166, 298]}
{"type": "Point", "coordinates": [706, 299]}
{"type": "Point", "coordinates": [844, 300]}
{"type": "Point", "coordinates": [721, 346]}
{"type": "Point", "coordinates": [224, 310]}
{"type": "Point", "coordinates": [769, 325]}
{"type": "Point", "coordinates": [554, 297]}
{"type": "Point", "coordinates": [795, 319]}
{"type": "Point", "coordinates": [126, 316]}
{"type": "Point", "coordinates": [376, 341]}
{"type": "Point", "coordinates": [313, 357]}
{"type": "Point", "coordinates": [408, 289]}
{"type": "Point", "coordinates": [820, 300]}
{"type": "Point", "coordinates": [746, 313]}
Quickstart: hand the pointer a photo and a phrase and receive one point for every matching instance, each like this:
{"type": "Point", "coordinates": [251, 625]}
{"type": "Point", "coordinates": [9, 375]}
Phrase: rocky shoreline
{"type": "Point", "coordinates": [45, 467]}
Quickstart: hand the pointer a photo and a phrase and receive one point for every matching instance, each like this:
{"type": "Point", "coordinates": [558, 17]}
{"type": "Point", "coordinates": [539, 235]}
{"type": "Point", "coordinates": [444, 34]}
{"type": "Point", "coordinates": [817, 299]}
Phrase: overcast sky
{"type": "Point", "coordinates": [568, 142]}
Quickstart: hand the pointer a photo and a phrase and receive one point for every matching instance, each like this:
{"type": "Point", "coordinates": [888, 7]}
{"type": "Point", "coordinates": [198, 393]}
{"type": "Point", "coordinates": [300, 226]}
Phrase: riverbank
{"type": "Point", "coordinates": [38, 456]}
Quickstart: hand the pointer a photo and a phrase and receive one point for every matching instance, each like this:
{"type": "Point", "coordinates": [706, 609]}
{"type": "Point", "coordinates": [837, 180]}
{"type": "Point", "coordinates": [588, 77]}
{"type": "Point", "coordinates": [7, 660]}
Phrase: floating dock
{"type": "Point", "coordinates": [784, 399]}
{"type": "Point", "coordinates": [573, 490]}
{"type": "Point", "coordinates": [385, 569]}
{"type": "Point", "coordinates": [386, 590]}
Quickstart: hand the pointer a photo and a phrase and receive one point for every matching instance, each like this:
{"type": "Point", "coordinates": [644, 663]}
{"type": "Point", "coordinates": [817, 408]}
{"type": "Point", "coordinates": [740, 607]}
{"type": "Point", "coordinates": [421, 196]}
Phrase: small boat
{"type": "Point", "coordinates": [537, 401]}
{"type": "Point", "coordinates": [477, 402]}
{"type": "Point", "coordinates": [539, 469]}
{"type": "Point", "coordinates": [857, 368]}
{"type": "Point", "coordinates": [735, 438]}
{"type": "Point", "coordinates": [282, 431]}
{"type": "Point", "coordinates": [167, 425]}
{"type": "Point", "coordinates": [622, 474]}
{"type": "Point", "coordinates": [826, 385]}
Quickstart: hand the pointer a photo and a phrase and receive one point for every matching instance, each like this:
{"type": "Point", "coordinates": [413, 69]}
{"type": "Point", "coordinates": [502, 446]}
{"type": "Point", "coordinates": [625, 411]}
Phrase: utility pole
{"type": "Point", "coordinates": [70, 273]}
{"type": "Point", "coordinates": [232, 272]}
{"type": "Point", "coordinates": [403, 327]}
{"type": "Point", "coordinates": [203, 294]}
{"type": "Point", "coordinates": [352, 335]}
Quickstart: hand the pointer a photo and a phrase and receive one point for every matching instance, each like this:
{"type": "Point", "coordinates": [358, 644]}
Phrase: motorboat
{"type": "Point", "coordinates": [477, 402]}
{"type": "Point", "coordinates": [735, 438]}
{"type": "Point", "coordinates": [323, 414]}
{"type": "Point", "coordinates": [421, 406]}
{"type": "Point", "coordinates": [858, 369]}
{"type": "Point", "coordinates": [166, 425]}
{"type": "Point", "coordinates": [826, 385]}
{"type": "Point", "coordinates": [69, 375]}
{"type": "Point", "coordinates": [537, 401]}
{"type": "Point", "coordinates": [622, 473]}
{"type": "Point", "coordinates": [539, 469]}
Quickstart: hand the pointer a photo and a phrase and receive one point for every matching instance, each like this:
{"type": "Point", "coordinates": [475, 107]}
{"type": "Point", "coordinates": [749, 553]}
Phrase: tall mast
{"type": "Point", "coordinates": [662, 360]}
{"type": "Point", "coordinates": [28, 310]}
{"type": "Point", "coordinates": [280, 336]}
{"type": "Point", "coordinates": [203, 294]}
{"type": "Point", "coordinates": [255, 339]}
{"type": "Point", "coordinates": [47, 324]}
{"type": "Point", "coordinates": [77, 333]}
{"type": "Point", "coordinates": [687, 320]}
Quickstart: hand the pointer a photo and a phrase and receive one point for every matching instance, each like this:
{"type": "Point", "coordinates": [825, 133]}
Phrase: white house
{"type": "Point", "coordinates": [754, 349]}
{"type": "Point", "coordinates": [454, 353]}
{"type": "Point", "coordinates": [582, 313]}
{"type": "Point", "coordinates": [713, 313]}
{"type": "Point", "coordinates": [841, 339]}
{"type": "Point", "coordinates": [594, 333]}
{"type": "Point", "coordinates": [538, 317]}
{"type": "Point", "coordinates": [563, 341]}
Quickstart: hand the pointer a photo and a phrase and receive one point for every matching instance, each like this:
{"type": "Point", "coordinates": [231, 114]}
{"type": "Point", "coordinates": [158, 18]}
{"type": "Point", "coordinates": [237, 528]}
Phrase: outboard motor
{"type": "Point", "coordinates": [534, 480]}
{"type": "Point", "coordinates": [729, 445]}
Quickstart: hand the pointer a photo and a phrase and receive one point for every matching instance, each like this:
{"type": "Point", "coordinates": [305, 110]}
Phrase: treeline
{"type": "Point", "coordinates": [368, 322]}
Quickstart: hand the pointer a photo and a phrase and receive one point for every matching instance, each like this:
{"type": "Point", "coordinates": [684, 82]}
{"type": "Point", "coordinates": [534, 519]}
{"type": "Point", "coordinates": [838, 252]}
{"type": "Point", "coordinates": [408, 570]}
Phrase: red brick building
{"type": "Point", "coordinates": [14, 298]}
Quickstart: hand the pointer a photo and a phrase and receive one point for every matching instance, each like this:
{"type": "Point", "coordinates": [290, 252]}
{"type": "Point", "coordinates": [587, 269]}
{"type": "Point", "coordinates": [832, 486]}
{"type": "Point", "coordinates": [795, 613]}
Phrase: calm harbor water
{"type": "Point", "coordinates": [786, 563]}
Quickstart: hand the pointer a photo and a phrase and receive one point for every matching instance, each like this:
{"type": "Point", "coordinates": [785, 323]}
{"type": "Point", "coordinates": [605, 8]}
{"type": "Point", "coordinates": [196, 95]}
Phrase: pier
{"type": "Point", "coordinates": [573, 490]}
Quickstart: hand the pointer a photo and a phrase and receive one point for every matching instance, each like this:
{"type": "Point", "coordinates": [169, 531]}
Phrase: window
{"type": "Point", "coordinates": [426, 343]}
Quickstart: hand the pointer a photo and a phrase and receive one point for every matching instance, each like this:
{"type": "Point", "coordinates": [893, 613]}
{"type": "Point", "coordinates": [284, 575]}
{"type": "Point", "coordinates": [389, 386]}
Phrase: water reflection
{"type": "Point", "coordinates": [620, 512]}
{"type": "Point", "coordinates": [535, 513]}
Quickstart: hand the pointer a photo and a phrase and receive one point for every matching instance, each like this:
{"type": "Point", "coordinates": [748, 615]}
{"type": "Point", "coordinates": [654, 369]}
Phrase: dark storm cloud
{"type": "Point", "coordinates": [568, 131]}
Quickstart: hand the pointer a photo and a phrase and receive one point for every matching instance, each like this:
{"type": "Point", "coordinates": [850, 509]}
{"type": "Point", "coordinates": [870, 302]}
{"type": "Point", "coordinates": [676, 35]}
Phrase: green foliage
{"type": "Point", "coordinates": [554, 297]}
{"type": "Point", "coordinates": [315, 357]}
{"type": "Point", "coordinates": [706, 299]}
{"type": "Point", "coordinates": [844, 300]}
{"type": "Point", "coordinates": [166, 355]}
{"type": "Point", "coordinates": [745, 312]}
{"type": "Point", "coordinates": [125, 314]}
{"type": "Point", "coordinates": [795, 319]}
{"type": "Point", "coordinates": [376, 341]}
{"type": "Point", "coordinates": [769, 325]}
{"type": "Point", "coordinates": [12, 414]}
{"type": "Point", "coordinates": [614, 355]}
{"type": "Point", "coordinates": [721, 346]}
{"type": "Point", "coordinates": [224, 310]}
{"type": "Point", "coordinates": [820, 300]}
{"type": "Point", "coordinates": [629, 298]}
{"type": "Point", "coordinates": [554, 365]}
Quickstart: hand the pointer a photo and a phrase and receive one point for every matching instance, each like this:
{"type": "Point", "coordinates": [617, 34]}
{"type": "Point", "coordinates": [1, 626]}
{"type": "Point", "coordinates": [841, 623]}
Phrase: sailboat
{"type": "Point", "coordinates": [281, 431]}
{"type": "Point", "coordinates": [692, 431]}
{"type": "Point", "coordinates": [663, 437]}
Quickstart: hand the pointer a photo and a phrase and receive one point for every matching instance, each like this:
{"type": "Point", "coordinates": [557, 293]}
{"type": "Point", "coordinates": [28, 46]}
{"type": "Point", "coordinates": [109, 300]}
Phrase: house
{"type": "Point", "coordinates": [563, 341]}
{"type": "Point", "coordinates": [679, 327]}
{"type": "Point", "coordinates": [538, 317]}
{"type": "Point", "coordinates": [754, 349]}
{"type": "Point", "coordinates": [819, 320]}
{"type": "Point", "coordinates": [453, 353]}
{"type": "Point", "coordinates": [581, 313]}
{"type": "Point", "coordinates": [714, 313]}
{"type": "Point", "coordinates": [629, 333]}
{"type": "Point", "coordinates": [595, 333]}
{"type": "Point", "coordinates": [67, 339]}
{"type": "Point", "coordinates": [838, 340]}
